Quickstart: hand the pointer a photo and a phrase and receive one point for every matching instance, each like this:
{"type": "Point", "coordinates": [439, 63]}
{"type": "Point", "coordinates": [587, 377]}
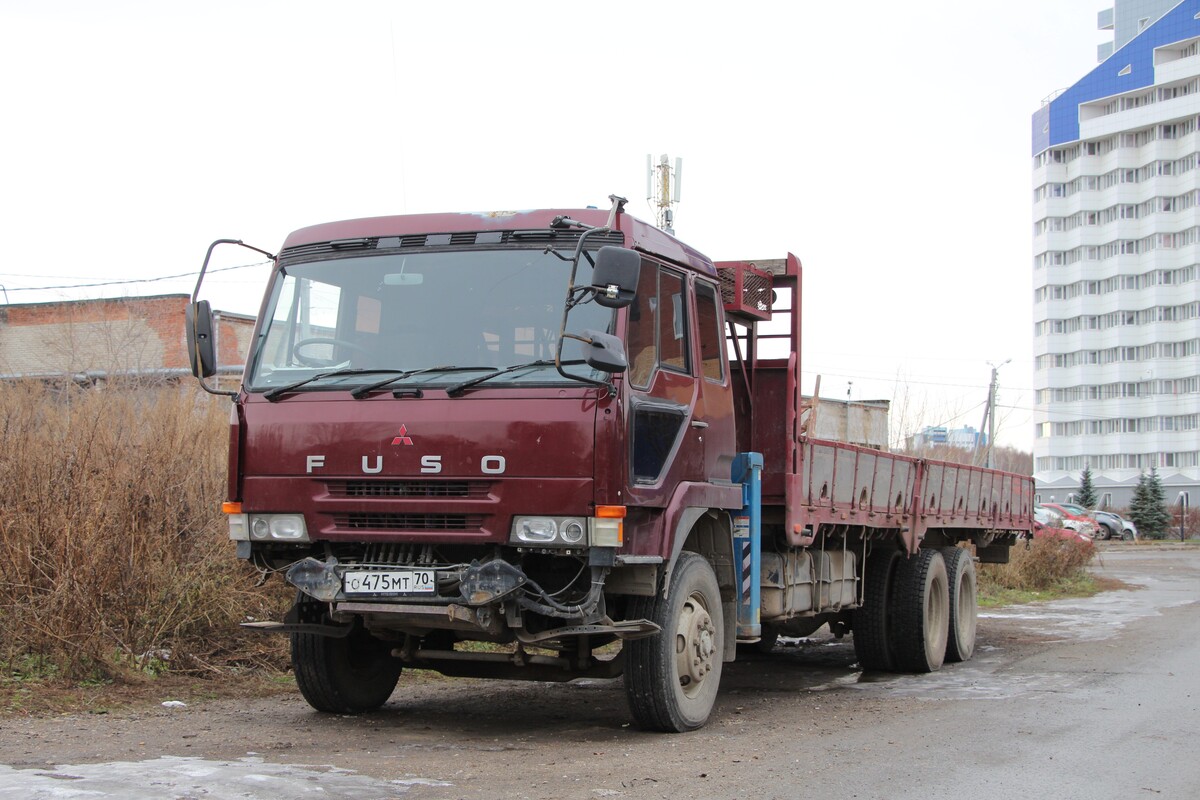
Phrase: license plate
{"type": "Point", "coordinates": [399, 581]}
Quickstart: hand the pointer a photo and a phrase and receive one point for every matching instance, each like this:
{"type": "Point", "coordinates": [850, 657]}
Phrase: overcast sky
{"type": "Point", "coordinates": [885, 144]}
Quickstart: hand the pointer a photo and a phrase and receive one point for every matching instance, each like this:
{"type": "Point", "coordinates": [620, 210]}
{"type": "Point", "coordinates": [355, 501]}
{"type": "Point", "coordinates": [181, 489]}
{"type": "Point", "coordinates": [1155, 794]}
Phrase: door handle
{"type": "Point", "coordinates": [699, 424]}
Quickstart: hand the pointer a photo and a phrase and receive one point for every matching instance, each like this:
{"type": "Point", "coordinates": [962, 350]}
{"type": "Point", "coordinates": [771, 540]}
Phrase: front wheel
{"type": "Point", "coordinates": [671, 679]}
{"type": "Point", "coordinates": [349, 675]}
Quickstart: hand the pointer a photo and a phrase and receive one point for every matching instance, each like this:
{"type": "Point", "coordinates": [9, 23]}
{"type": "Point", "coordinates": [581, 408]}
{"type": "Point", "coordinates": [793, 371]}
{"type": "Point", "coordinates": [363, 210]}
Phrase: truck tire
{"type": "Point", "coordinates": [964, 603]}
{"type": "Point", "coordinates": [349, 675]}
{"type": "Point", "coordinates": [671, 679]}
{"type": "Point", "coordinates": [920, 606]}
{"type": "Point", "coordinates": [870, 621]}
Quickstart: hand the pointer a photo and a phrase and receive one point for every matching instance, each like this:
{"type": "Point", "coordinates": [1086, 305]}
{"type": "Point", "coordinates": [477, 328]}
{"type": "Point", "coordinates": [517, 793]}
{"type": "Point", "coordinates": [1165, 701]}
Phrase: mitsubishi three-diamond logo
{"type": "Point", "coordinates": [403, 438]}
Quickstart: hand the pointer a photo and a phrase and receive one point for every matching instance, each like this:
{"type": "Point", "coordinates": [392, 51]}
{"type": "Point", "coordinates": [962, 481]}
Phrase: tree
{"type": "Point", "coordinates": [1148, 509]}
{"type": "Point", "coordinates": [1087, 492]}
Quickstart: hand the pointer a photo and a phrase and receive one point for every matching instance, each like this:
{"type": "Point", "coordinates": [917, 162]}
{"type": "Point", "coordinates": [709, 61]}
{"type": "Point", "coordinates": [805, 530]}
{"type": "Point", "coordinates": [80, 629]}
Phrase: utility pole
{"type": "Point", "coordinates": [849, 386]}
{"type": "Point", "coordinates": [989, 413]}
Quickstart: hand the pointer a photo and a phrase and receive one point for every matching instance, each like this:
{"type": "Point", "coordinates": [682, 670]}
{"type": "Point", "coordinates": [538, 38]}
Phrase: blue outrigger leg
{"type": "Point", "coordinates": [747, 544]}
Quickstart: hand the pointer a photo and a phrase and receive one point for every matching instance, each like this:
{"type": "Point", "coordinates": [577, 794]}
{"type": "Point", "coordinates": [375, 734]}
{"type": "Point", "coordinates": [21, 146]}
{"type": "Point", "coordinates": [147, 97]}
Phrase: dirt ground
{"type": "Point", "coordinates": [803, 714]}
{"type": "Point", "coordinates": [505, 739]}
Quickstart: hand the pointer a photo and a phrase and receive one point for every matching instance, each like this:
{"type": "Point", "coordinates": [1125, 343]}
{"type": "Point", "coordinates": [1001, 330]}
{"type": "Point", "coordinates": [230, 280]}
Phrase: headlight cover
{"type": "Point", "coordinates": [606, 529]}
{"type": "Point", "coordinates": [549, 531]}
{"type": "Point", "coordinates": [268, 528]}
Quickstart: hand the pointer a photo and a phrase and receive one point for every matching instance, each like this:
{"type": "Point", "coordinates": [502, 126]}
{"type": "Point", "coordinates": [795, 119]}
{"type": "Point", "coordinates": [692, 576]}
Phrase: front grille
{"type": "Point", "coordinates": [427, 489]}
{"type": "Point", "coordinates": [408, 522]}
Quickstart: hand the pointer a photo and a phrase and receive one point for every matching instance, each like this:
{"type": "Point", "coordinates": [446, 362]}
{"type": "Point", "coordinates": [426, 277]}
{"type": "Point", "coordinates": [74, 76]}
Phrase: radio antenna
{"type": "Point", "coordinates": [660, 193]}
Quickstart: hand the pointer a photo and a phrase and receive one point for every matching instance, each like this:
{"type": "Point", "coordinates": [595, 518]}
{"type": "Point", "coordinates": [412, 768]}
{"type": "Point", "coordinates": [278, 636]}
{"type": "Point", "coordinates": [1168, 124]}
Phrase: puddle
{"type": "Point", "coordinates": [1100, 617]}
{"type": "Point", "coordinates": [188, 778]}
{"type": "Point", "coordinates": [823, 665]}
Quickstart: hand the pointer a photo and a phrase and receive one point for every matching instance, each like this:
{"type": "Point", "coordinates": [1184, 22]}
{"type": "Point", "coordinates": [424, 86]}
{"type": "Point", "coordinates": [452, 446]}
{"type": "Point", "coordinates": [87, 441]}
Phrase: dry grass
{"type": "Point", "coordinates": [116, 561]}
{"type": "Point", "coordinates": [1049, 565]}
{"type": "Point", "coordinates": [116, 557]}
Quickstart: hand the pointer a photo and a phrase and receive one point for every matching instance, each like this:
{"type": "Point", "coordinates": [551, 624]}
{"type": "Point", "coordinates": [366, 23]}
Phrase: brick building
{"type": "Point", "coordinates": [123, 336]}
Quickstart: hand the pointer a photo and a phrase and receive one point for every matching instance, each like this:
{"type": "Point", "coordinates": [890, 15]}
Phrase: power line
{"type": "Point", "coordinates": [894, 379]}
{"type": "Point", "coordinates": [132, 280]}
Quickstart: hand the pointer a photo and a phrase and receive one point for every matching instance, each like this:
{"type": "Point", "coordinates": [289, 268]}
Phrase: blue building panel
{"type": "Point", "coordinates": [1041, 129]}
{"type": "Point", "coordinates": [1058, 122]}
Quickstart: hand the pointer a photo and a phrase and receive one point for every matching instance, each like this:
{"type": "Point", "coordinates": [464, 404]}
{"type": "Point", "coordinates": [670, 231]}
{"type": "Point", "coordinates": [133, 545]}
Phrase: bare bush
{"type": "Point", "coordinates": [115, 551]}
{"type": "Point", "coordinates": [1008, 459]}
{"type": "Point", "coordinates": [1048, 562]}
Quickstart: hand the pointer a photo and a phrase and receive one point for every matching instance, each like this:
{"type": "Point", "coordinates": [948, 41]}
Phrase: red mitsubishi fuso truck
{"type": "Point", "coordinates": [556, 430]}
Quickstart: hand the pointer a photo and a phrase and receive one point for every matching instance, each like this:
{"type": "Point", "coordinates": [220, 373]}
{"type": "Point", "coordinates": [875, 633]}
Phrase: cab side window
{"type": "Point", "coordinates": [641, 351]}
{"type": "Point", "coordinates": [657, 332]}
{"type": "Point", "coordinates": [672, 322]}
{"type": "Point", "coordinates": [708, 326]}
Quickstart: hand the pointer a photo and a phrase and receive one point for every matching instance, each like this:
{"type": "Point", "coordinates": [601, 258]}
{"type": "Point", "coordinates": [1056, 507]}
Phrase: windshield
{"type": "Point", "coordinates": [435, 315]}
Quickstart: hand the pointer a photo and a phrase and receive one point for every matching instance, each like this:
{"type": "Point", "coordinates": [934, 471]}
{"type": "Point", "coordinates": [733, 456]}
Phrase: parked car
{"type": "Point", "coordinates": [1049, 523]}
{"type": "Point", "coordinates": [1046, 517]}
{"type": "Point", "coordinates": [1113, 526]}
{"type": "Point", "coordinates": [1075, 518]}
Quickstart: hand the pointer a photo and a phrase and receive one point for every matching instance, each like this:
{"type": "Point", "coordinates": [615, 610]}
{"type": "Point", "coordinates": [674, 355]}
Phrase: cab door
{"type": "Point", "coordinates": [713, 419]}
{"type": "Point", "coordinates": [662, 387]}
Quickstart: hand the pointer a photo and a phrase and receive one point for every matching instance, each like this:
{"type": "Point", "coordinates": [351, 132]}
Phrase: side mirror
{"type": "Point", "coordinates": [615, 278]}
{"type": "Point", "coordinates": [605, 352]}
{"type": "Point", "coordinates": [202, 352]}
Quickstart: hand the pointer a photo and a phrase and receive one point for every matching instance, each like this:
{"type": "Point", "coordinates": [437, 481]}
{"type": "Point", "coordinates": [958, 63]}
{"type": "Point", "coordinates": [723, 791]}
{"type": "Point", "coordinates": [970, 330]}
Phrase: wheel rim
{"type": "Point", "coordinates": [695, 645]}
{"type": "Point", "coordinates": [966, 612]}
{"type": "Point", "coordinates": [937, 615]}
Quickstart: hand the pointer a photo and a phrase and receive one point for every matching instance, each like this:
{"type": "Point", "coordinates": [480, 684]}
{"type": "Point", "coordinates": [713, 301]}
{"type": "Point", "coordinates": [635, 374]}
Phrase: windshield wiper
{"type": "Point", "coordinates": [363, 391]}
{"type": "Point", "coordinates": [459, 388]}
{"type": "Point", "coordinates": [291, 387]}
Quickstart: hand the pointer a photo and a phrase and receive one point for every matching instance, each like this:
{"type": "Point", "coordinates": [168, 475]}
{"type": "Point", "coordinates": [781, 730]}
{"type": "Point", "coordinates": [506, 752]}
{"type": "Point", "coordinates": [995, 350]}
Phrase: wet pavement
{"type": "Point", "coordinates": [179, 777]}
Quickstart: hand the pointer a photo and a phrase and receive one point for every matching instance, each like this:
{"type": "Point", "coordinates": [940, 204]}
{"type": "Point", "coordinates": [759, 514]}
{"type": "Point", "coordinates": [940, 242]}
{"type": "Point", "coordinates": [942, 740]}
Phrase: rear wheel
{"type": "Point", "coordinates": [671, 679]}
{"type": "Point", "coordinates": [1105, 532]}
{"type": "Point", "coordinates": [870, 622]}
{"type": "Point", "coordinates": [920, 612]}
{"type": "Point", "coordinates": [964, 603]}
{"type": "Point", "coordinates": [345, 675]}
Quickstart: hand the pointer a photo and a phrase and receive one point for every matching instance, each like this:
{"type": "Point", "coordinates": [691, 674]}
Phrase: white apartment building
{"type": "Point", "coordinates": [1116, 267]}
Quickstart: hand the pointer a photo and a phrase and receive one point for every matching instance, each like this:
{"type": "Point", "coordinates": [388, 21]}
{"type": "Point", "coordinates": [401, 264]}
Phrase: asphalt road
{"type": "Point", "coordinates": [1094, 699]}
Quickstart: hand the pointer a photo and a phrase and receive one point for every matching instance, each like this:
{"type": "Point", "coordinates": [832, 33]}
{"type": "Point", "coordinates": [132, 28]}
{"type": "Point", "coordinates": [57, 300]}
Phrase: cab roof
{"type": "Point", "coordinates": [638, 235]}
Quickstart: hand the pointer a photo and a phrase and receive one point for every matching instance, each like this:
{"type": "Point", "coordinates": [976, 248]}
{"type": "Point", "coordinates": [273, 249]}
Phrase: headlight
{"type": "Point", "coordinates": [268, 527]}
{"type": "Point", "coordinates": [571, 531]}
{"type": "Point", "coordinates": [534, 530]}
{"type": "Point", "coordinates": [548, 531]}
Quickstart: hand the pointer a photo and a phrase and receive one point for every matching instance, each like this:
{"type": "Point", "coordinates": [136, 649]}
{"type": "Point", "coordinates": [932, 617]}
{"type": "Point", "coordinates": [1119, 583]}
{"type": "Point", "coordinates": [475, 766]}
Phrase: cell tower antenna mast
{"type": "Point", "coordinates": [659, 189]}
